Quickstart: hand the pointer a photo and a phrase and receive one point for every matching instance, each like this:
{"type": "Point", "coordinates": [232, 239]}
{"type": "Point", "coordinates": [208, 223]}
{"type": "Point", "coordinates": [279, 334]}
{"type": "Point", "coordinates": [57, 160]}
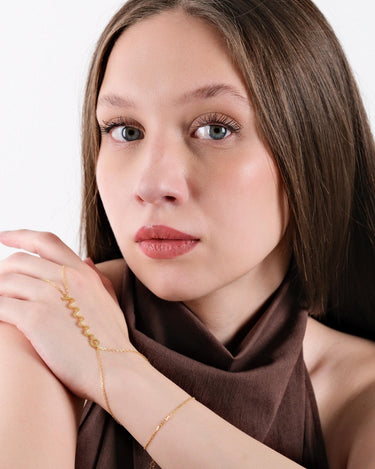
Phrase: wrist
{"type": "Point", "coordinates": [140, 396]}
{"type": "Point", "coordinates": [113, 366]}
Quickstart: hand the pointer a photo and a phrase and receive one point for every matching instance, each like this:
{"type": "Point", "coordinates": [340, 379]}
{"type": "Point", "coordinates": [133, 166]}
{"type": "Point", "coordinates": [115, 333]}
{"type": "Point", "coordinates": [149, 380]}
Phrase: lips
{"type": "Point", "coordinates": [163, 242]}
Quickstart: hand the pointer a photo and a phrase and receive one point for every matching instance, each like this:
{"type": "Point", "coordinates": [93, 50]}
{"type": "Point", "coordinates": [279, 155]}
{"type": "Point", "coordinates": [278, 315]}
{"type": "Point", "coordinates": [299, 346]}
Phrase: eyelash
{"type": "Point", "coordinates": [218, 119]}
{"type": "Point", "coordinates": [210, 119]}
{"type": "Point", "coordinates": [108, 126]}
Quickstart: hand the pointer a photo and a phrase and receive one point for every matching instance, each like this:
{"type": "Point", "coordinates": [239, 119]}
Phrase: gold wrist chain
{"type": "Point", "coordinates": [165, 420]}
{"type": "Point", "coordinates": [95, 343]}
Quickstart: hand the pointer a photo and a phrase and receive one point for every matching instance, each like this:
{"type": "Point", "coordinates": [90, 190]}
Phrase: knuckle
{"type": "Point", "coordinates": [10, 262]}
{"type": "Point", "coordinates": [43, 239]}
{"type": "Point", "coordinates": [48, 237]}
{"type": "Point", "coordinates": [5, 277]}
{"type": "Point", "coordinates": [16, 258]}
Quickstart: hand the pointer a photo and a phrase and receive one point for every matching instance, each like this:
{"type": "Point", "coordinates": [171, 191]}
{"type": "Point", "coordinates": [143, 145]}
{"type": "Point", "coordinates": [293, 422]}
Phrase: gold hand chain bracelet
{"type": "Point", "coordinates": [95, 343]}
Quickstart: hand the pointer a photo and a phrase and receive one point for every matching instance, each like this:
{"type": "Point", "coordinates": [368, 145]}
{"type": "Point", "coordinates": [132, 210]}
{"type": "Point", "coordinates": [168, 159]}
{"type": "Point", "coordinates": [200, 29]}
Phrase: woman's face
{"type": "Point", "coordinates": [180, 151]}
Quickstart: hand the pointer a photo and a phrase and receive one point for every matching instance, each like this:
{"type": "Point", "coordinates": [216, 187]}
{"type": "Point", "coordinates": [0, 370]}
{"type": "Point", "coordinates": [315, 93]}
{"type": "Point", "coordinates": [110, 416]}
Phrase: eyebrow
{"type": "Point", "coordinates": [203, 92]}
{"type": "Point", "coordinates": [211, 91]}
{"type": "Point", "coordinates": [114, 100]}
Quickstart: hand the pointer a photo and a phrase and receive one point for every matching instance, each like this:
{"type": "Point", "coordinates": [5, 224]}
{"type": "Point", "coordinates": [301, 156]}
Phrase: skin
{"type": "Point", "coordinates": [203, 187]}
{"type": "Point", "coordinates": [227, 192]}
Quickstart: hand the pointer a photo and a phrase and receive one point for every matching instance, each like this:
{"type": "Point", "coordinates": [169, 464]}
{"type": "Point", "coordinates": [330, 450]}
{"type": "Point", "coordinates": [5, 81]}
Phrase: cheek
{"type": "Point", "coordinates": [110, 171]}
{"type": "Point", "coordinates": [251, 201]}
{"type": "Point", "coordinates": [107, 179]}
{"type": "Point", "coordinates": [100, 173]}
{"type": "Point", "coordinates": [107, 167]}
{"type": "Point", "coordinates": [103, 180]}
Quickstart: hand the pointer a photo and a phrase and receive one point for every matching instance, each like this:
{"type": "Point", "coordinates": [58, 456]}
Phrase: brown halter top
{"type": "Point", "coordinates": [258, 382]}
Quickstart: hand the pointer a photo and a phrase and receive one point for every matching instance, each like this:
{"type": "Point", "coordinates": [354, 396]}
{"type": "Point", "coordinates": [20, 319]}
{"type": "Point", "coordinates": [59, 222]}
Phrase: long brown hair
{"type": "Point", "coordinates": [310, 115]}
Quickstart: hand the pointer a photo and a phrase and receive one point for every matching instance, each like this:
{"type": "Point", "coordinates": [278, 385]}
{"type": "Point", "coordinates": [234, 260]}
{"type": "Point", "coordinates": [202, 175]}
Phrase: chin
{"type": "Point", "coordinates": [169, 281]}
{"type": "Point", "coordinates": [169, 288]}
{"type": "Point", "coordinates": [169, 291]}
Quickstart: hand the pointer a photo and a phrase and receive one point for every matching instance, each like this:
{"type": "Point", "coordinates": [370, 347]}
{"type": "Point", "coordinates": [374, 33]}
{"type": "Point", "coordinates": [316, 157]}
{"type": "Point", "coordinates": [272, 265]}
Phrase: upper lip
{"type": "Point", "coordinates": [160, 232]}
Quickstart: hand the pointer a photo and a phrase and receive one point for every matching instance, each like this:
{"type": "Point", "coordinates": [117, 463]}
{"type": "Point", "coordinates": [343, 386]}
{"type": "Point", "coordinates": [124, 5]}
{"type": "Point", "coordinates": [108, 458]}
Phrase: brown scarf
{"type": "Point", "coordinates": [258, 382]}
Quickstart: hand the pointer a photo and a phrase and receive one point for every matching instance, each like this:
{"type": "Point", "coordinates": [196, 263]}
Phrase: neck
{"type": "Point", "coordinates": [226, 310]}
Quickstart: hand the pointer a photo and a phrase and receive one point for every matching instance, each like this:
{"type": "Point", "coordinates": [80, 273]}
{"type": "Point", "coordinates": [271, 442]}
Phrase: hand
{"type": "Point", "coordinates": [35, 307]}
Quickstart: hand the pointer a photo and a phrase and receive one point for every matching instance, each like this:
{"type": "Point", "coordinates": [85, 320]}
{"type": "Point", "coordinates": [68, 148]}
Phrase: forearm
{"type": "Point", "coordinates": [194, 437]}
{"type": "Point", "coordinates": [38, 416]}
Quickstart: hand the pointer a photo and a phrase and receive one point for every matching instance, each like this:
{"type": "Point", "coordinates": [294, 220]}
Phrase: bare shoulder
{"type": "Point", "coordinates": [326, 348]}
{"type": "Point", "coordinates": [16, 354]}
{"type": "Point", "coordinates": [342, 371]}
{"type": "Point", "coordinates": [35, 407]}
{"type": "Point", "coordinates": [11, 340]}
{"type": "Point", "coordinates": [114, 271]}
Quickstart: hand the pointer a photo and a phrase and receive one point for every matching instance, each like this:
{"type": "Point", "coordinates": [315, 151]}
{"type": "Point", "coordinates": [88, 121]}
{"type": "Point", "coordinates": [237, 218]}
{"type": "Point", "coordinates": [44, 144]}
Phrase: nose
{"type": "Point", "coordinates": [162, 176]}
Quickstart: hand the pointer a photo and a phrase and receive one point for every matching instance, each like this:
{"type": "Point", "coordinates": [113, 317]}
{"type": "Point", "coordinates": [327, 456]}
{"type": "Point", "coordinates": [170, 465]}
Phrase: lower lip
{"type": "Point", "coordinates": [167, 248]}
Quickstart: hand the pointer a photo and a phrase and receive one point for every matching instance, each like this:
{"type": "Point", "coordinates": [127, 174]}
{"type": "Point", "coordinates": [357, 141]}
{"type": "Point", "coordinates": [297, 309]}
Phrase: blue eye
{"type": "Point", "coordinates": [214, 132]}
{"type": "Point", "coordinates": [215, 126]}
{"type": "Point", "coordinates": [128, 134]}
{"type": "Point", "coordinates": [121, 130]}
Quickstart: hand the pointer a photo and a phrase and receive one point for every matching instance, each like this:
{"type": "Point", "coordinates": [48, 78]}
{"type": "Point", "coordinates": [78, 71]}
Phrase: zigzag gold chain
{"type": "Point", "coordinates": [93, 341]}
{"type": "Point", "coordinates": [69, 301]}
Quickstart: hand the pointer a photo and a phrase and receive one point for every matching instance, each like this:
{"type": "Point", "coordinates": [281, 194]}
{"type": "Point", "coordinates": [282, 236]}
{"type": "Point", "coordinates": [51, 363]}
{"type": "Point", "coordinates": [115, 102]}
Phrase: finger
{"type": "Point", "coordinates": [14, 311]}
{"type": "Point", "coordinates": [44, 244]}
{"type": "Point", "coordinates": [22, 287]}
{"type": "Point", "coordinates": [33, 266]}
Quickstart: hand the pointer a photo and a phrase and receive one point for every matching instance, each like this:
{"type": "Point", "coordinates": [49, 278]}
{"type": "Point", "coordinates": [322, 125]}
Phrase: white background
{"type": "Point", "coordinates": [45, 49]}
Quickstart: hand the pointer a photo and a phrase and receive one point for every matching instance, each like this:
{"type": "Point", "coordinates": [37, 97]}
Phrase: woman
{"type": "Point", "coordinates": [229, 162]}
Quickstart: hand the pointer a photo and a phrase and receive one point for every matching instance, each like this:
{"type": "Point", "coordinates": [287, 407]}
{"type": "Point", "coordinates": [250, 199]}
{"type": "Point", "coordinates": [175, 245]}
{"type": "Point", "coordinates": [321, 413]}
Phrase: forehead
{"type": "Point", "coordinates": [169, 53]}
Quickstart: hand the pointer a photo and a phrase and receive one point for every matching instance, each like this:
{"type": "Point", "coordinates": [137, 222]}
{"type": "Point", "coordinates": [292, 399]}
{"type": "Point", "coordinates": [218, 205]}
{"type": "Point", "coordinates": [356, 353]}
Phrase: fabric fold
{"type": "Point", "coordinates": [259, 383]}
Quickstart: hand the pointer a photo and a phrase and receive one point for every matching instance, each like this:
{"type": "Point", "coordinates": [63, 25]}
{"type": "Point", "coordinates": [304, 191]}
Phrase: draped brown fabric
{"type": "Point", "coordinates": [258, 382]}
